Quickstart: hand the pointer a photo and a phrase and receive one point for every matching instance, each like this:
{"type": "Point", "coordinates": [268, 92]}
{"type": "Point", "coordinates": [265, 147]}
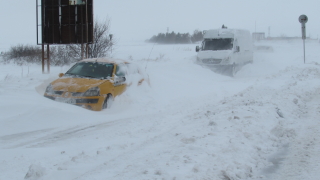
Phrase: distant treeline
{"type": "Point", "coordinates": [177, 38]}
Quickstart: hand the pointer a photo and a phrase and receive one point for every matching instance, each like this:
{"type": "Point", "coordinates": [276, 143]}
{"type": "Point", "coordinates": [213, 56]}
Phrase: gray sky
{"type": "Point", "coordinates": [141, 19]}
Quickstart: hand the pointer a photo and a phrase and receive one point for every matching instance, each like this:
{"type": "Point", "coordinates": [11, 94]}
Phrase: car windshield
{"type": "Point", "coordinates": [218, 44]}
{"type": "Point", "coordinates": [92, 70]}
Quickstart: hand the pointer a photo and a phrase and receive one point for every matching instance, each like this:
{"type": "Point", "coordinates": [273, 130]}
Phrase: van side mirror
{"type": "Point", "coordinates": [197, 49]}
{"type": "Point", "coordinates": [237, 48]}
{"type": "Point", "coordinates": [61, 74]}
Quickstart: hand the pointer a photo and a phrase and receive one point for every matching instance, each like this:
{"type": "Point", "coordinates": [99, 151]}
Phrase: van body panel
{"type": "Point", "coordinates": [225, 47]}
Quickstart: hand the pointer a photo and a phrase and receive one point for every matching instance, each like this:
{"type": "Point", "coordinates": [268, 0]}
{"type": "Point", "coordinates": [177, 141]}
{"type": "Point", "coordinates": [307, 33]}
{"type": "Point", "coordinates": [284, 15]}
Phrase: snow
{"type": "Point", "coordinates": [188, 123]}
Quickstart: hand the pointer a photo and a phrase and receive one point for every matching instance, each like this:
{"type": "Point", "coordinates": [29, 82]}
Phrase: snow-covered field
{"type": "Point", "coordinates": [189, 123]}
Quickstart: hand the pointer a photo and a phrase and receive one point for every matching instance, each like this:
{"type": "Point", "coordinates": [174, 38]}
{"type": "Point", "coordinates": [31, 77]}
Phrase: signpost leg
{"type": "Point", "coordinates": [42, 45]}
{"type": "Point", "coordinates": [87, 50]}
{"type": "Point", "coordinates": [82, 51]}
{"type": "Point", "coordinates": [48, 58]}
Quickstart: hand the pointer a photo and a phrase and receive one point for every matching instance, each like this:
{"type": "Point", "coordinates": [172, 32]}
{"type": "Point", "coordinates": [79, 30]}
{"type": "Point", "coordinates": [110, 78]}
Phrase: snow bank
{"type": "Point", "coordinates": [189, 123]}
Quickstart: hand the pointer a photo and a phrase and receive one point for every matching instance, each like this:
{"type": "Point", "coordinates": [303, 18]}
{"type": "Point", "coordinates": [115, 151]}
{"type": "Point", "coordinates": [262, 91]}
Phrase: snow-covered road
{"type": "Point", "coordinates": [189, 123]}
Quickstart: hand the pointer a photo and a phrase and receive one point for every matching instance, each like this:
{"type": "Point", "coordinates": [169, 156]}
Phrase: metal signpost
{"type": "Point", "coordinates": [64, 22]}
{"type": "Point", "coordinates": [303, 19]}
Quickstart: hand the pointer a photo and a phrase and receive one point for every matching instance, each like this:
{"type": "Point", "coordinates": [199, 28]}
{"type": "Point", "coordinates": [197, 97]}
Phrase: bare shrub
{"type": "Point", "coordinates": [63, 54]}
{"type": "Point", "coordinates": [21, 54]}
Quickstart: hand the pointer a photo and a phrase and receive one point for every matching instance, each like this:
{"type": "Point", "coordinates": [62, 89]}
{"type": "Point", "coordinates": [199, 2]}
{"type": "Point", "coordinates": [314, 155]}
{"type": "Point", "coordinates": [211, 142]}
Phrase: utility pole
{"type": "Point", "coordinates": [111, 35]}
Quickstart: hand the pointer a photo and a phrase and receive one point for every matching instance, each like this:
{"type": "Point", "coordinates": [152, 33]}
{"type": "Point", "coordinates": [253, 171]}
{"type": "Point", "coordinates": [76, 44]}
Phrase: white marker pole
{"type": "Point", "coordinates": [303, 30]}
{"type": "Point", "coordinates": [304, 52]}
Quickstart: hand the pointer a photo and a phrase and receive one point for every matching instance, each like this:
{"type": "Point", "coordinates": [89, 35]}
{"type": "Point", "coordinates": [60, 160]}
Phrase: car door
{"type": "Point", "coordinates": [119, 82]}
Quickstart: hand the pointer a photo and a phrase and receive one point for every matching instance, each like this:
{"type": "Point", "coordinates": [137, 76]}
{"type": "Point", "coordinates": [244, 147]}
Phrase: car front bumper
{"type": "Point", "coordinates": [92, 103]}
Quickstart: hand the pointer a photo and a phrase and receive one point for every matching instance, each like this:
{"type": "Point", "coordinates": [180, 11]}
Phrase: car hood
{"type": "Point", "coordinates": [76, 84]}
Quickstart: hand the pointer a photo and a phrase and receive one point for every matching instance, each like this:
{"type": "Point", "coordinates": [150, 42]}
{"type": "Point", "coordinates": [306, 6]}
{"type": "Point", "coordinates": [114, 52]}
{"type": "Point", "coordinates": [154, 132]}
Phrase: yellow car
{"type": "Point", "coordinates": [92, 83]}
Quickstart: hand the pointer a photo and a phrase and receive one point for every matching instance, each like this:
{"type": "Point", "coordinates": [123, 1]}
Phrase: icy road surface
{"type": "Point", "coordinates": [190, 123]}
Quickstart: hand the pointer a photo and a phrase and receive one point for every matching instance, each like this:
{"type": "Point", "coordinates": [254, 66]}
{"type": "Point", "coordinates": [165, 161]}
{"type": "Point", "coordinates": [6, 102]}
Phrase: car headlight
{"type": "Point", "coordinates": [49, 89]}
{"type": "Point", "coordinates": [95, 91]}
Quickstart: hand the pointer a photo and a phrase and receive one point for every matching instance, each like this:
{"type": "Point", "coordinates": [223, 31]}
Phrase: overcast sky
{"type": "Point", "coordinates": [141, 19]}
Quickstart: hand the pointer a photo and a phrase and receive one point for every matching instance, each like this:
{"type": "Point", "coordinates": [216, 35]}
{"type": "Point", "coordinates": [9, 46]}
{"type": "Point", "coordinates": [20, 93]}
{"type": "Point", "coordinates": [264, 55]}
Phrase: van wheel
{"type": "Point", "coordinates": [107, 102]}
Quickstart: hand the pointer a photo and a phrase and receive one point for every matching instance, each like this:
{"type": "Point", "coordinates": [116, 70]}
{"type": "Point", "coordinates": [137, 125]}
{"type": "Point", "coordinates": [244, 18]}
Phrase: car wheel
{"type": "Point", "coordinates": [107, 102]}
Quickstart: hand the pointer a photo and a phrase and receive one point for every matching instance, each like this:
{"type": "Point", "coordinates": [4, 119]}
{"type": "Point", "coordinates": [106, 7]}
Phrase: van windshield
{"type": "Point", "coordinates": [217, 44]}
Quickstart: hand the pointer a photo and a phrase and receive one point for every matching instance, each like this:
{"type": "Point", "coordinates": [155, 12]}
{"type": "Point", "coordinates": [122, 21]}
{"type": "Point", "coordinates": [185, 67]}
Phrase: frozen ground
{"type": "Point", "coordinates": [190, 123]}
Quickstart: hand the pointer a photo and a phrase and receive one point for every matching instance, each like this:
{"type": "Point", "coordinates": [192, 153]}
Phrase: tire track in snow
{"type": "Point", "coordinates": [298, 158]}
{"type": "Point", "coordinates": [43, 139]}
{"type": "Point", "coordinates": [302, 160]}
{"type": "Point", "coordinates": [148, 143]}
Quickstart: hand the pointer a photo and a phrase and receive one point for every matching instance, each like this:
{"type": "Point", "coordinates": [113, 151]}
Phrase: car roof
{"type": "Point", "coordinates": [105, 60]}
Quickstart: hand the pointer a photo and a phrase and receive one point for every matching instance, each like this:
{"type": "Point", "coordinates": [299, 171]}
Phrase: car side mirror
{"type": "Point", "coordinates": [119, 79]}
{"type": "Point", "coordinates": [237, 48]}
{"type": "Point", "coordinates": [197, 49]}
{"type": "Point", "coordinates": [61, 74]}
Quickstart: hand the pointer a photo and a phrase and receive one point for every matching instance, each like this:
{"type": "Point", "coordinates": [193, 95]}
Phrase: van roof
{"type": "Point", "coordinates": [223, 33]}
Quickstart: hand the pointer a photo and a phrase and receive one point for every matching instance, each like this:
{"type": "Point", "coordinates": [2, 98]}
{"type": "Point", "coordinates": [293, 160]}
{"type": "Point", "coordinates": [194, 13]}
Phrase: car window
{"type": "Point", "coordinates": [77, 68]}
{"type": "Point", "coordinates": [92, 70]}
{"type": "Point", "coordinates": [121, 70]}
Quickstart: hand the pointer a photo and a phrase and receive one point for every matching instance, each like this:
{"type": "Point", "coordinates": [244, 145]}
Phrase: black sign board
{"type": "Point", "coordinates": [67, 21]}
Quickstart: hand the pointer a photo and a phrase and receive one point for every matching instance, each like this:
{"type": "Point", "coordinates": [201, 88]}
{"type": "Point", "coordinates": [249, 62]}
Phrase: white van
{"type": "Point", "coordinates": [225, 49]}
